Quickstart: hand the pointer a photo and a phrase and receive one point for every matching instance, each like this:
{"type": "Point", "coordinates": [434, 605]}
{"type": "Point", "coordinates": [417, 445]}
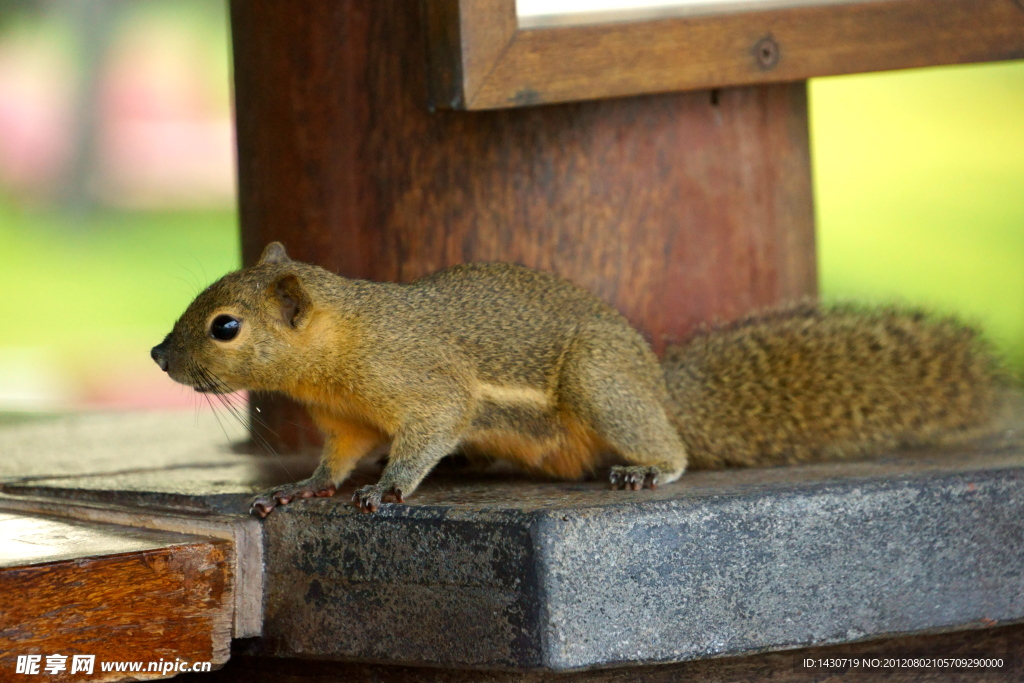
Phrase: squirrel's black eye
{"type": "Point", "coordinates": [225, 327]}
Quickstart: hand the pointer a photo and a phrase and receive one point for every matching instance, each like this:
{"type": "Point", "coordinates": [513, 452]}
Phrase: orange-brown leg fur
{"type": "Point", "coordinates": [574, 455]}
{"type": "Point", "coordinates": [346, 444]}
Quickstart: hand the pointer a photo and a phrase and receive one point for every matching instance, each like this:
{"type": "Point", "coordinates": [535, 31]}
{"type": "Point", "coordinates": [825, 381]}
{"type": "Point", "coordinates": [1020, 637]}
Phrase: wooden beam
{"type": "Point", "coordinates": [118, 593]}
{"type": "Point", "coordinates": [494, 63]}
{"type": "Point", "coordinates": [244, 534]}
{"type": "Point", "coordinates": [677, 209]}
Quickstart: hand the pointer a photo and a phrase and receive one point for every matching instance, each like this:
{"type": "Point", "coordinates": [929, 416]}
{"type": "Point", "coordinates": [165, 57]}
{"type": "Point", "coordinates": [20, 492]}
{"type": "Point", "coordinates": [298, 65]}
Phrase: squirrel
{"type": "Point", "coordinates": [500, 361]}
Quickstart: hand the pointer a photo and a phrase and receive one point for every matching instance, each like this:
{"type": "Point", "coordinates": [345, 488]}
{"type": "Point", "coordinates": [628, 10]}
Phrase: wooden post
{"type": "Point", "coordinates": [677, 208]}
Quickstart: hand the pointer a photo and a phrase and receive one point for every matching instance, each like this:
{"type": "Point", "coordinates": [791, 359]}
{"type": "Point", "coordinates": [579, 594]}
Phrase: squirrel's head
{"type": "Point", "coordinates": [240, 330]}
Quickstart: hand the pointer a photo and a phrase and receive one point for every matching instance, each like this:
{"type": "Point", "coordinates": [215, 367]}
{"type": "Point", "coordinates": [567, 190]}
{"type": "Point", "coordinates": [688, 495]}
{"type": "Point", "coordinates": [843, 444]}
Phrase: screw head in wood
{"type": "Point", "coordinates": [766, 52]}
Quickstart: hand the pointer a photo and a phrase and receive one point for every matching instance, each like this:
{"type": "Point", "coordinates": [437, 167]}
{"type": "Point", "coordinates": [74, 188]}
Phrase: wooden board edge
{"type": "Point", "coordinates": [571, 63]}
{"type": "Point", "coordinates": [245, 535]}
{"type": "Point", "coordinates": [466, 39]}
{"type": "Point", "coordinates": [187, 583]}
{"type": "Point", "coordinates": [444, 54]}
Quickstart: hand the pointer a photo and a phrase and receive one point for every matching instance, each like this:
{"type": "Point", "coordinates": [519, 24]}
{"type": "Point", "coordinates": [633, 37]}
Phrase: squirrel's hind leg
{"type": "Point", "coordinates": [617, 395]}
{"type": "Point", "coordinates": [659, 457]}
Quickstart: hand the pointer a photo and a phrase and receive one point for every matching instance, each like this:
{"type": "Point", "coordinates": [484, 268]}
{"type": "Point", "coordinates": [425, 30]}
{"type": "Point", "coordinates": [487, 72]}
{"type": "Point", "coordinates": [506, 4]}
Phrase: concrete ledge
{"type": "Point", "coordinates": [688, 576]}
{"type": "Point", "coordinates": [509, 574]}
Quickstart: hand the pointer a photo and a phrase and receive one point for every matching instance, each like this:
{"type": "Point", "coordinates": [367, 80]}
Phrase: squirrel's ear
{"type": "Point", "coordinates": [274, 253]}
{"type": "Point", "coordinates": [292, 298]}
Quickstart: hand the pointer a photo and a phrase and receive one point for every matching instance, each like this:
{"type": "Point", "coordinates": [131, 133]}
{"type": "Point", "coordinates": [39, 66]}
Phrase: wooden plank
{"type": "Point", "coordinates": [90, 447]}
{"type": "Point", "coordinates": [569, 63]}
{"type": "Point", "coordinates": [121, 594]}
{"type": "Point", "coordinates": [676, 209]}
{"type": "Point", "coordinates": [777, 667]}
{"type": "Point", "coordinates": [244, 534]}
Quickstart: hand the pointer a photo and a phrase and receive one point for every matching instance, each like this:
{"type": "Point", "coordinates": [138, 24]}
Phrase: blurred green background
{"type": "Point", "coordinates": [919, 180]}
{"type": "Point", "coordinates": [919, 190]}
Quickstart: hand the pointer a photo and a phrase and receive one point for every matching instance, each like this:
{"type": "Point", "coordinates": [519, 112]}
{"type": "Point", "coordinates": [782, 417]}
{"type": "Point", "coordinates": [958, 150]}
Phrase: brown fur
{"type": "Point", "coordinates": [807, 383]}
{"type": "Point", "coordinates": [505, 362]}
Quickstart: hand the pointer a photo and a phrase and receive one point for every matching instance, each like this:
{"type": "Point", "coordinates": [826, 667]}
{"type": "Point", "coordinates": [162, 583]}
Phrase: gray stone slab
{"type": "Point", "coordinates": [813, 565]}
{"type": "Point", "coordinates": [96, 443]}
{"type": "Point", "coordinates": [704, 568]}
{"type": "Point", "coordinates": [219, 488]}
{"type": "Point", "coordinates": [179, 459]}
{"type": "Point", "coordinates": [498, 572]}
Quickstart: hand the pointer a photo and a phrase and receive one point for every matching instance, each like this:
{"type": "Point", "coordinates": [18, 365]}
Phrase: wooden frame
{"type": "Point", "coordinates": [482, 59]}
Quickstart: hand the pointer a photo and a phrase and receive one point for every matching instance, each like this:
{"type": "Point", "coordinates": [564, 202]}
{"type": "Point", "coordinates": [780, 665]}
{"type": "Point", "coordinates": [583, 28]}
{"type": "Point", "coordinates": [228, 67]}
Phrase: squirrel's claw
{"type": "Point", "coordinates": [369, 498]}
{"type": "Point", "coordinates": [261, 506]}
{"type": "Point", "coordinates": [264, 504]}
{"type": "Point", "coordinates": [634, 477]}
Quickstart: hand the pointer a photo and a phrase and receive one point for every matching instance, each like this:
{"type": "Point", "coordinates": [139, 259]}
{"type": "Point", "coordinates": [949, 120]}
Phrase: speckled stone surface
{"type": "Point", "coordinates": [675, 575]}
{"type": "Point", "coordinates": [497, 572]}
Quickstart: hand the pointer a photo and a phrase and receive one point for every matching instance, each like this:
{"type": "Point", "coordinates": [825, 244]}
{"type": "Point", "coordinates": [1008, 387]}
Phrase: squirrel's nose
{"type": "Point", "coordinates": [159, 354]}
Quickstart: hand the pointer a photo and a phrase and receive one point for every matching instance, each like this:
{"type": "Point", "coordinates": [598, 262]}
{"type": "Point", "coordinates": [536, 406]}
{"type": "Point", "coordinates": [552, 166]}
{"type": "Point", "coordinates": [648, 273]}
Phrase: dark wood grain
{"type": "Point", "coordinates": [676, 209]}
{"type": "Point", "coordinates": [496, 64]}
{"type": "Point", "coordinates": [118, 593]}
{"type": "Point", "coordinates": [777, 667]}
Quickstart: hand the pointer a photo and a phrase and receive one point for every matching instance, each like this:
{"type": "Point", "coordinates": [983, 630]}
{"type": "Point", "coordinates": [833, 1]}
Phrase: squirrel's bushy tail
{"type": "Point", "coordinates": [810, 382]}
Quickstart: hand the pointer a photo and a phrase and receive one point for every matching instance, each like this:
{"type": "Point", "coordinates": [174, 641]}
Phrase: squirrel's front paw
{"type": "Point", "coordinates": [368, 498]}
{"type": "Point", "coordinates": [263, 504]}
{"type": "Point", "coordinates": [634, 477]}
